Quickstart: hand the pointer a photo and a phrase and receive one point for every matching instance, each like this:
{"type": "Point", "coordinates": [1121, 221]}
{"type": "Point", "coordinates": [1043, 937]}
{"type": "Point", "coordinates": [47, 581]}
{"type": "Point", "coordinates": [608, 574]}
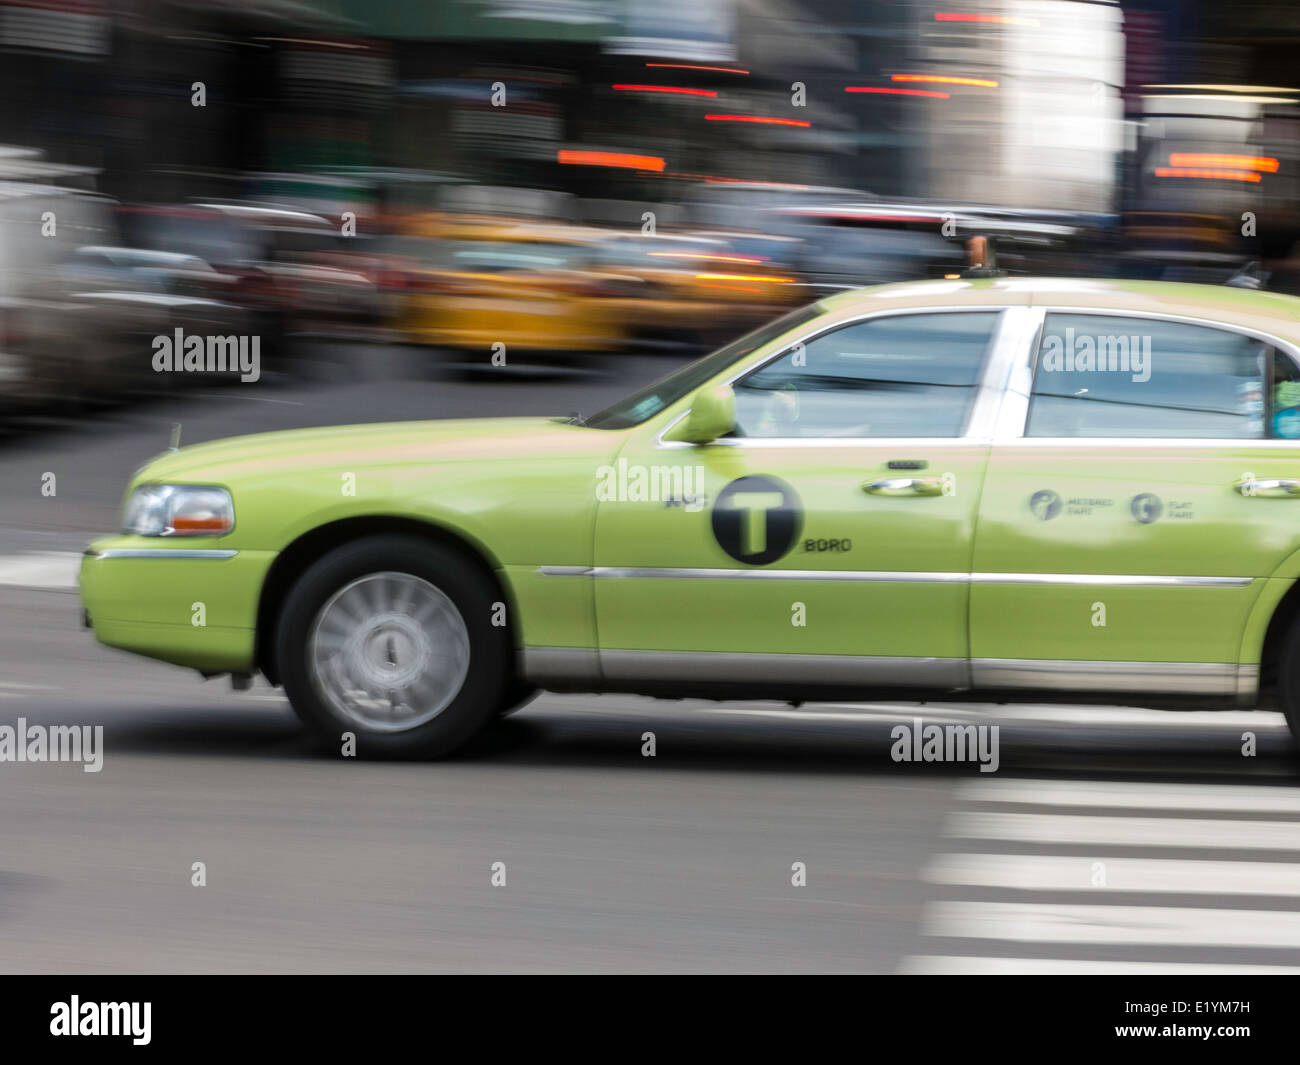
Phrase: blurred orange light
{"type": "Point", "coordinates": [897, 92]}
{"type": "Point", "coordinates": [941, 79]}
{"type": "Point", "coordinates": [744, 277]}
{"type": "Point", "coordinates": [1236, 162]}
{"type": "Point", "coordinates": [1215, 175]}
{"type": "Point", "coordinates": [759, 120]}
{"type": "Point", "coordinates": [962, 16]}
{"type": "Point", "coordinates": [713, 179]}
{"type": "Point", "coordinates": [749, 181]}
{"type": "Point", "coordinates": [692, 66]}
{"type": "Point", "coordinates": [574, 157]}
{"type": "Point", "coordinates": [752, 260]}
{"type": "Point", "coordinates": [664, 88]}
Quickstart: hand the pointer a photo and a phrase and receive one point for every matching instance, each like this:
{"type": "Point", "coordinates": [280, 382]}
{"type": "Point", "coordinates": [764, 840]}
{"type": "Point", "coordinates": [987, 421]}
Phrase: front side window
{"type": "Point", "coordinates": [650, 400]}
{"type": "Point", "coordinates": [906, 375]}
{"type": "Point", "coordinates": [1111, 376]}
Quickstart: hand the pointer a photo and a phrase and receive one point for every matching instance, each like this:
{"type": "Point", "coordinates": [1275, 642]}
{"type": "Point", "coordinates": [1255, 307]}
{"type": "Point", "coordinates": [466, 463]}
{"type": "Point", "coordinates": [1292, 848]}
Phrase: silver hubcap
{"type": "Point", "coordinates": [389, 651]}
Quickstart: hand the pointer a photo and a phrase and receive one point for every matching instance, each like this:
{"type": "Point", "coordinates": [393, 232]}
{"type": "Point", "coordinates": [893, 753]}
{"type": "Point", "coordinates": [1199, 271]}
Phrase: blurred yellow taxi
{"type": "Point", "coordinates": [529, 287]}
{"type": "Point", "coordinates": [701, 288]}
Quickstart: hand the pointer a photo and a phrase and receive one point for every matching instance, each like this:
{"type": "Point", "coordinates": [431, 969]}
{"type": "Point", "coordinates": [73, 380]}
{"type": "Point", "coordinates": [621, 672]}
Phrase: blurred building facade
{"type": "Point", "coordinates": [1034, 103]}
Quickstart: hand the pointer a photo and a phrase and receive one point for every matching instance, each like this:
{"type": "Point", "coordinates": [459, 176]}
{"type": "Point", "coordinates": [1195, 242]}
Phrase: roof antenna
{"type": "Point", "coordinates": [176, 437]}
{"type": "Point", "coordinates": [981, 258]}
{"type": "Point", "coordinates": [1249, 276]}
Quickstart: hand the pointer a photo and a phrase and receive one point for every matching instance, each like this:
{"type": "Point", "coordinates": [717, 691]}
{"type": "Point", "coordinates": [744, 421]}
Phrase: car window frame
{"type": "Point", "coordinates": [1013, 416]}
{"type": "Point", "coordinates": [1014, 330]}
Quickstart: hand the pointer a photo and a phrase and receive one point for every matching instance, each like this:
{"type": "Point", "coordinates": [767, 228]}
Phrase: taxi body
{"type": "Point", "coordinates": [994, 490]}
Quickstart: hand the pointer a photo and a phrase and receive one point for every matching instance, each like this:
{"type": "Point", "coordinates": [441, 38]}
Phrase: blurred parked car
{"type": "Point", "coordinates": [54, 351]}
{"type": "Point", "coordinates": [845, 245]}
{"type": "Point", "coordinates": [1179, 246]}
{"type": "Point", "coordinates": [292, 270]}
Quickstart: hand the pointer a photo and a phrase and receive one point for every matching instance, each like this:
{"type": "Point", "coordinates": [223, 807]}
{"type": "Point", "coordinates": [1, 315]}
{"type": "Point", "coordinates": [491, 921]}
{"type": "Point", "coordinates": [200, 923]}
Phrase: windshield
{"type": "Point", "coordinates": [648, 402]}
{"type": "Point", "coordinates": [481, 256]}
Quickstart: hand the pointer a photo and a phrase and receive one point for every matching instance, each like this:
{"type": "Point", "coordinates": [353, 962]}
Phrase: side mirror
{"type": "Point", "coordinates": [713, 414]}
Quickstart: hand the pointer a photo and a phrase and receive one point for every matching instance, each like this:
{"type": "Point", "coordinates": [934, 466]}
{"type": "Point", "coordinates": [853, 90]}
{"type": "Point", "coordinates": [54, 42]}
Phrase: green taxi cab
{"type": "Point", "coordinates": [990, 490]}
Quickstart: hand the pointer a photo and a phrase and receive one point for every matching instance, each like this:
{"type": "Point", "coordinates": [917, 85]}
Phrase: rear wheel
{"type": "Point", "coordinates": [1288, 678]}
{"type": "Point", "coordinates": [390, 638]}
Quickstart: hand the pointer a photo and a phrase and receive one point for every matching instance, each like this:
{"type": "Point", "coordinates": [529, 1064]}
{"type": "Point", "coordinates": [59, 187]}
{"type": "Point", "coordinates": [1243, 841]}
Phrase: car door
{"type": "Point", "coordinates": [1139, 494]}
{"type": "Point", "coordinates": [827, 539]}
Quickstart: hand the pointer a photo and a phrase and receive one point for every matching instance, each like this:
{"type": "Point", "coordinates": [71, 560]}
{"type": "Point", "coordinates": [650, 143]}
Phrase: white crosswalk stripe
{"type": "Point", "coordinates": [40, 569]}
{"type": "Point", "coordinates": [1008, 901]}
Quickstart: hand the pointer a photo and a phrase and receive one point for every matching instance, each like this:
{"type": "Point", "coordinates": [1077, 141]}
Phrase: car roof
{"type": "Point", "coordinates": [1268, 312]}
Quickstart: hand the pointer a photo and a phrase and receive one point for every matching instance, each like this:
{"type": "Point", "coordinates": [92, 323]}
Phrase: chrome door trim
{"type": "Point", "coordinates": [892, 576]}
{"type": "Point", "coordinates": [162, 552]}
{"type": "Point", "coordinates": [1241, 443]}
{"type": "Point", "coordinates": [682, 573]}
{"type": "Point", "coordinates": [1152, 678]}
{"type": "Point", "coordinates": [993, 353]}
{"type": "Point", "coordinates": [1118, 580]}
{"type": "Point", "coordinates": [541, 665]}
{"type": "Point", "coordinates": [727, 667]}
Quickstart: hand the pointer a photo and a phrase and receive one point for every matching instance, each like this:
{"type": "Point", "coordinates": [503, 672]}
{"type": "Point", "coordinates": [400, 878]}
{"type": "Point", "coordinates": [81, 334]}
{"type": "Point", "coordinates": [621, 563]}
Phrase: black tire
{"type": "Point", "coordinates": [488, 676]}
{"type": "Point", "coordinates": [1288, 678]}
{"type": "Point", "coordinates": [517, 696]}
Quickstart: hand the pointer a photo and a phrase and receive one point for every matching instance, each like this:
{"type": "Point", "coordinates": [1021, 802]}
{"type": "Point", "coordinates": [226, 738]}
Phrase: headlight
{"type": "Point", "coordinates": [178, 510]}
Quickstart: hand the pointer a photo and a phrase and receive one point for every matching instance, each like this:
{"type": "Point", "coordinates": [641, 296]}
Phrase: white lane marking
{"type": "Point", "coordinates": [939, 965]}
{"type": "Point", "coordinates": [27, 687]}
{"type": "Point", "coordinates": [1127, 831]}
{"type": "Point", "coordinates": [41, 569]}
{"type": "Point", "coordinates": [1106, 793]}
{"type": "Point", "coordinates": [1041, 872]}
{"type": "Point", "coordinates": [1026, 922]}
{"type": "Point", "coordinates": [1036, 918]}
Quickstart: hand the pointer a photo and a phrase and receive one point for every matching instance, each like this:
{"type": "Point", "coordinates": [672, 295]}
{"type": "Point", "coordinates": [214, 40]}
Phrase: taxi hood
{"type": "Point", "coordinates": [381, 444]}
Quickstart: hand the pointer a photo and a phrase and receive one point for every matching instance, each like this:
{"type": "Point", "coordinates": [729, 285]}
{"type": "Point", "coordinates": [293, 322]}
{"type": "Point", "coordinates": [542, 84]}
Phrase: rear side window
{"type": "Point", "coordinates": [1111, 376]}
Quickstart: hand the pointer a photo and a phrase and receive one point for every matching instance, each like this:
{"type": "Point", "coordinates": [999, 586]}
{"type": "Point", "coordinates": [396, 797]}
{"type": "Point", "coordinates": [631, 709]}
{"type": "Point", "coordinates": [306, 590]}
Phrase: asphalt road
{"type": "Point", "coordinates": [613, 861]}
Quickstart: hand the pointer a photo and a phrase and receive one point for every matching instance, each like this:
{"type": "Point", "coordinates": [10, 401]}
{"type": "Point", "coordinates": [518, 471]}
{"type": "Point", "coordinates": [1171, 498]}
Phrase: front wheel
{"type": "Point", "coordinates": [390, 639]}
{"type": "Point", "coordinates": [518, 695]}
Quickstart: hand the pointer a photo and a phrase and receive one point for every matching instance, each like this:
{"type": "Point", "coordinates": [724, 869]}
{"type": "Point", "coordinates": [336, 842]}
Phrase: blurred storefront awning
{"type": "Point", "coordinates": [275, 14]}
{"type": "Point", "coordinates": [73, 28]}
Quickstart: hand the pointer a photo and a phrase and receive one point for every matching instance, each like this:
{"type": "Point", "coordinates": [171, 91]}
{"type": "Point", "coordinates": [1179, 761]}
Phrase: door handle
{"type": "Point", "coordinates": [905, 486]}
{"type": "Point", "coordinates": [1282, 488]}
